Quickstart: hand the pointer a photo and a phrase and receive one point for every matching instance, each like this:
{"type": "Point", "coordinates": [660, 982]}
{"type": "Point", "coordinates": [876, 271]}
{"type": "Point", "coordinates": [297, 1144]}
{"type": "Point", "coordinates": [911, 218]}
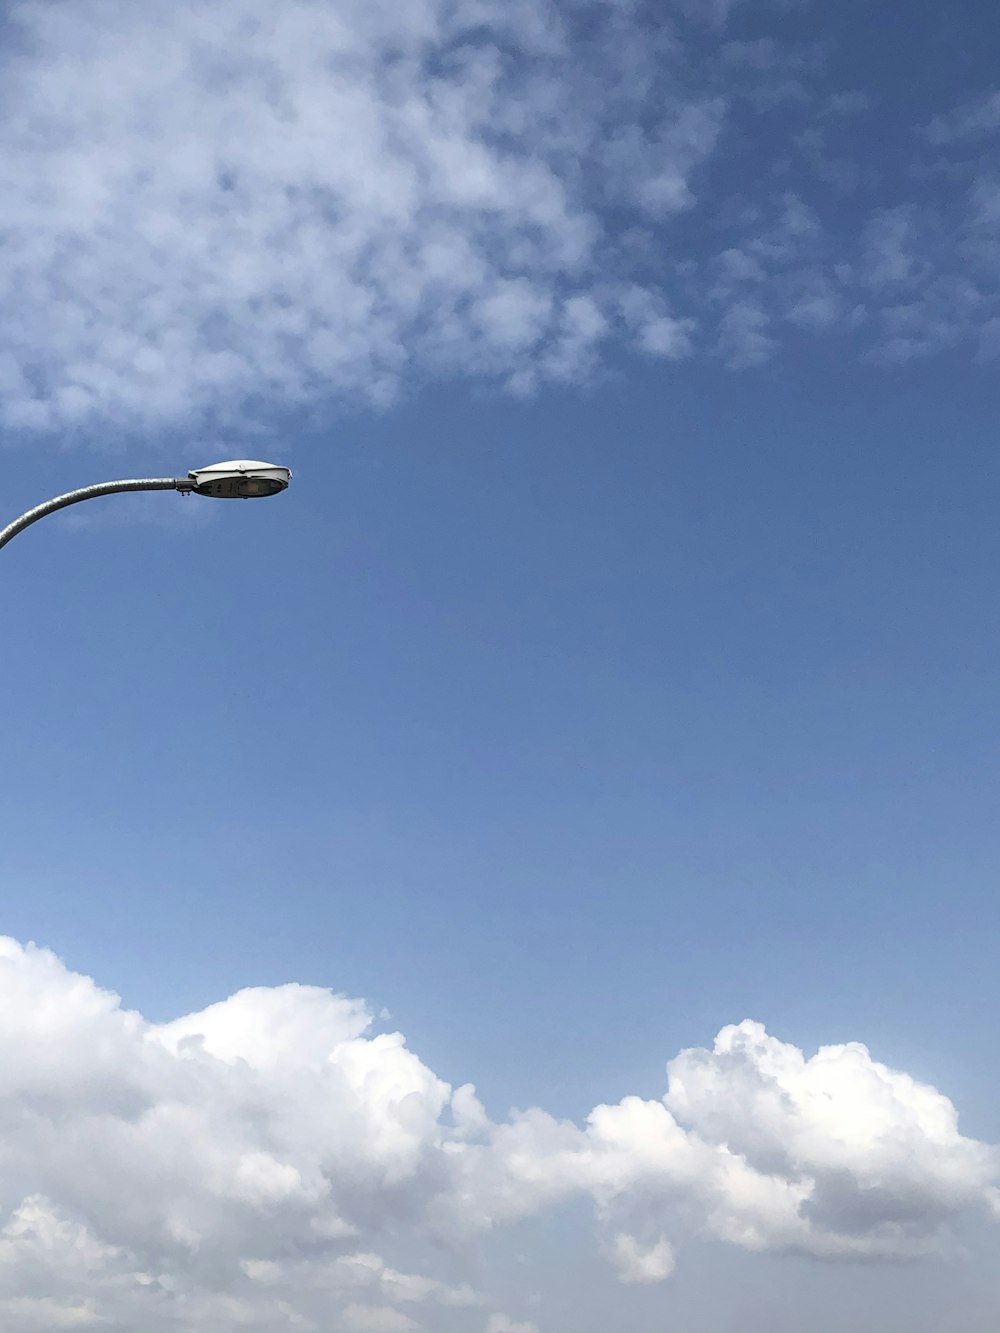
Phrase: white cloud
{"type": "Point", "coordinates": [893, 249]}
{"type": "Point", "coordinates": [851, 103]}
{"type": "Point", "coordinates": [377, 1319]}
{"type": "Point", "coordinates": [879, 1155]}
{"type": "Point", "coordinates": [210, 210]}
{"type": "Point", "coordinates": [929, 268]}
{"type": "Point", "coordinates": [369, 1270]}
{"type": "Point", "coordinates": [215, 210]}
{"type": "Point", "coordinates": [673, 151]}
{"type": "Point", "coordinates": [635, 1263]}
{"type": "Point", "coordinates": [656, 331]}
{"type": "Point", "coordinates": [975, 119]}
{"type": "Point", "coordinates": [262, 1163]}
{"type": "Point", "coordinates": [501, 1323]}
{"type": "Point", "coordinates": [744, 337]}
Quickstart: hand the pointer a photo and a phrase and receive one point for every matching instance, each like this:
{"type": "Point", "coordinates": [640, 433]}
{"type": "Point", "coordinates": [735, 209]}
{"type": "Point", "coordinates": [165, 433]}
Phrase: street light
{"type": "Point", "coordinates": [241, 479]}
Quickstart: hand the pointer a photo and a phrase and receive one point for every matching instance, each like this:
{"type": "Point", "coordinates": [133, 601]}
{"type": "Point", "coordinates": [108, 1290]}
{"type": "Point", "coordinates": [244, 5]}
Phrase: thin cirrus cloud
{"type": "Point", "coordinates": [256, 1165]}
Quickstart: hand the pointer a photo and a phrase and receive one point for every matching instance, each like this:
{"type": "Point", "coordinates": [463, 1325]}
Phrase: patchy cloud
{"type": "Point", "coordinates": [636, 1263]}
{"type": "Point", "coordinates": [972, 120]}
{"type": "Point", "coordinates": [500, 1323]}
{"type": "Point", "coordinates": [260, 1164]}
{"type": "Point", "coordinates": [206, 208]}
{"type": "Point", "coordinates": [212, 211]}
{"type": "Point", "coordinates": [217, 210]}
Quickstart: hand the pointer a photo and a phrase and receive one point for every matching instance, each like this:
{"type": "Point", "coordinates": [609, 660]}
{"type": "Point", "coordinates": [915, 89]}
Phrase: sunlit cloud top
{"type": "Point", "coordinates": [275, 1161]}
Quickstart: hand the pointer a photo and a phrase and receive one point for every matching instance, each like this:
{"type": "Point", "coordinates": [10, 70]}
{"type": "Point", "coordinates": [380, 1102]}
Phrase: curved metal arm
{"type": "Point", "coordinates": [90, 493]}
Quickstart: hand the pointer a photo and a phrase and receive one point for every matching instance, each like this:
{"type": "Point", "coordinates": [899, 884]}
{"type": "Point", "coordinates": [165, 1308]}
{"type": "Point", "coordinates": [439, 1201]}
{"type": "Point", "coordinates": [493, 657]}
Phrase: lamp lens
{"type": "Point", "coordinates": [240, 487]}
{"type": "Point", "coordinates": [252, 486]}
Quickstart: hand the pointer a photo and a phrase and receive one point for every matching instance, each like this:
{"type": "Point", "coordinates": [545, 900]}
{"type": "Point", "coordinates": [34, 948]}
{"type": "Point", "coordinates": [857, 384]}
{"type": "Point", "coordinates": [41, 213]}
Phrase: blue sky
{"type": "Point", "coordinates": [615, 682]}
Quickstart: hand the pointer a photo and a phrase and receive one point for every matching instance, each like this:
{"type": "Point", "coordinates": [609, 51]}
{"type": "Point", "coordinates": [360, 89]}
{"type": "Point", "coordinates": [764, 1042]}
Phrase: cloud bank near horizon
{"type": "Point", "coordinates": [210, 212]}
{"type": "Point", "coordinates": [274, 1161]}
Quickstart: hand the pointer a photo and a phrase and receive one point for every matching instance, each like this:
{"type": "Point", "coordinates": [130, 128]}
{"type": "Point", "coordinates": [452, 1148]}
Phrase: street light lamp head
{"type": "Point", "coordinates": [241, 479]}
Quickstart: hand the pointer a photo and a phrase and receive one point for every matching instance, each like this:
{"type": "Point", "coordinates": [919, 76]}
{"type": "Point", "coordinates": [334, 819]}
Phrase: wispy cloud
{"type": "Point", "coordinates": [213, 211]}
{"type": "Point", "coordinates": [969, 121]}
{"type": "Point", "coordinates": [256, 1164]}
{"type": "Point", "coordinates": [209, 207]}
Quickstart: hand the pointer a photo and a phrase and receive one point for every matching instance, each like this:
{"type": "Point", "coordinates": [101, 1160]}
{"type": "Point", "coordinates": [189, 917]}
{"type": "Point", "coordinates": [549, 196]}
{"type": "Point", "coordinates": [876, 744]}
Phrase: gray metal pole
{"type": "Point", "coordinates": [91, 493]}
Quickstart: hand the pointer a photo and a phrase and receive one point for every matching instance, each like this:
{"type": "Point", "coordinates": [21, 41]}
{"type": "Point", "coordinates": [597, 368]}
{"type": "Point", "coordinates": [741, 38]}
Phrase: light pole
{"type": "Point", "coordinates": [241, 479]}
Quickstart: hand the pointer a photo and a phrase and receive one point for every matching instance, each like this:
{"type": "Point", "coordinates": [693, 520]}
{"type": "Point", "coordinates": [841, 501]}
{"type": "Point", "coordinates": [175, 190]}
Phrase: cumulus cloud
{"type": "Point", "coordinates": [263, 1163]}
